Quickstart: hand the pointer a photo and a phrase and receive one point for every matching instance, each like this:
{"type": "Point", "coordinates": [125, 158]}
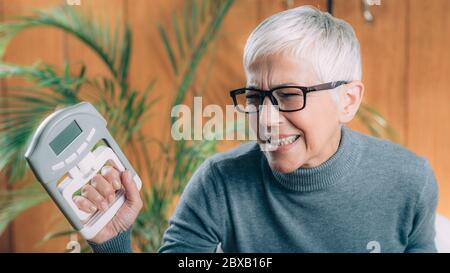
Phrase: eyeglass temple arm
{"type": "Point", "coordinates": [324, 86]}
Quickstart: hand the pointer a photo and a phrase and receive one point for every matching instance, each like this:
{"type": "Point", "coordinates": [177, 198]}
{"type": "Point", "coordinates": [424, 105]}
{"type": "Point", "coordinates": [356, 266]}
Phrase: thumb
{"type": "Point", "coordinates": [131, 190]}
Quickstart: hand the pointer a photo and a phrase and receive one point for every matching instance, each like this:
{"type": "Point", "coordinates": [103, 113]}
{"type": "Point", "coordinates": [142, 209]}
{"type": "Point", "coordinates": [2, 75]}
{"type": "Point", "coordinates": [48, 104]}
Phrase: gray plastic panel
{"type": "Point", "coordinates": [49, 167]}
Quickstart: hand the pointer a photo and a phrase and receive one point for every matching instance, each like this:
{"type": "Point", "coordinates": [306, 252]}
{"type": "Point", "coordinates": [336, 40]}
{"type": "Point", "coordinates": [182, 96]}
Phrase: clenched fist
{"type": "Point", "coordinates": [101, 192]}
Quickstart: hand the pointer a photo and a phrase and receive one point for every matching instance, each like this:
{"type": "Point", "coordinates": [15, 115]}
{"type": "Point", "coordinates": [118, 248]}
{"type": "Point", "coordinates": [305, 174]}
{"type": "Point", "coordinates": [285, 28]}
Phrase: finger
{"type": "Point", "coordinates": [90, 193]}
{"type": "Point", "coordinates": [104, 188]}
{"type": "Point", "coordinates": [131, 190]}
{"type": "Point", "coordinates": [84, 204]}
{"type": "Point", "coordinates": [112, 175]}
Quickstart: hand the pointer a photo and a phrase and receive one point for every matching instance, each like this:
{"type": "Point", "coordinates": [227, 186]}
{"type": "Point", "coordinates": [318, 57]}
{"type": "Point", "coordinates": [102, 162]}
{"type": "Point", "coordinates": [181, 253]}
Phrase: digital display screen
{"type": "Point", "coordinates": [59, 143]}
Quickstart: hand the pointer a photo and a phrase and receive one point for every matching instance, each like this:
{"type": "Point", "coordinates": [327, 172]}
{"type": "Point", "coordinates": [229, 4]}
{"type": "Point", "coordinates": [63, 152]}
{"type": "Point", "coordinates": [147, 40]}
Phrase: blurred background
{"type": "Point", "coordinates": [136, 59]}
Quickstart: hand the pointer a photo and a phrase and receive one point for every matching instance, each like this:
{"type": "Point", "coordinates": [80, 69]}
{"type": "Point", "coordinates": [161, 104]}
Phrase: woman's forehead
{"type": "Point", "coordinates": [280, 69]}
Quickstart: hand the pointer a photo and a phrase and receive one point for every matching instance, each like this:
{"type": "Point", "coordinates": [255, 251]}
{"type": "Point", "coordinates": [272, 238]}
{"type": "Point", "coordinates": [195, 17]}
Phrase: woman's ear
{"type": "Point", "coordinates": [350, 99]}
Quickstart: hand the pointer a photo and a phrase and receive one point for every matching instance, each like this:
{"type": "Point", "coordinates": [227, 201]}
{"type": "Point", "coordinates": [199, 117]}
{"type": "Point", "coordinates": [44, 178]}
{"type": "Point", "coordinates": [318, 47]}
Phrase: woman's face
{"type": "Point", "coordinates": [315, 130]}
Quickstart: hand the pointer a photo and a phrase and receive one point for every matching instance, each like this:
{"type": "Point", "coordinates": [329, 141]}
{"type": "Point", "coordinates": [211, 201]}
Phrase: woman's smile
{"type": "Point", "coordinates": [282, 143]}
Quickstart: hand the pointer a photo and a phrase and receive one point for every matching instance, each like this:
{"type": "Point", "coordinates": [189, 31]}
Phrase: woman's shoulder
{"type": "Point", "coordinates": [386, 150]}
{"type": "Point", "coordinates": [395, 161]}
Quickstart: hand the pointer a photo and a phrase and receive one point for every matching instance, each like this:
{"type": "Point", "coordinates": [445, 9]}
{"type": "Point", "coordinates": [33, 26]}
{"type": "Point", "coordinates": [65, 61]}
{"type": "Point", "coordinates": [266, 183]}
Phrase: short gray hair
{"type": "Point", "coordinates": [328, 43]}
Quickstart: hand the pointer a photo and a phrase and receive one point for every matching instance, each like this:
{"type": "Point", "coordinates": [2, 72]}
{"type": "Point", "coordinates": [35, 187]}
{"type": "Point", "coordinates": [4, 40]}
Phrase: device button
{"type": "Point", "coordinates": [71, 158]}
{"type": "Point", "coordinates": [91, 134]}
{"type": "Point", "coordinates": [58, 166]}
{"type": "Point", "coordinates": [86, 163]}
{"type": "Point", "coordinates": [75, 172]}
{"type": "Point", "coordinates": [82, 147]}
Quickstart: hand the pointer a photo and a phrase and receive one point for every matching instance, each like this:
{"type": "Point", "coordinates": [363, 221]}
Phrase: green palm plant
{"type": "Point", "coordinates": [24, 106]}
{"type": "Point", "coordinates": [115, 96]}
{"type": "Point", "coordinates": [124, 108]}
{"type": "Point", "coordinates": [375, 123]}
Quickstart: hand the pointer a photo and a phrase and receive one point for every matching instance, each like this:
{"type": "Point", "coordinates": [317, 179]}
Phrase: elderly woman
{"type": "Point", "coordinates": [309, 184]}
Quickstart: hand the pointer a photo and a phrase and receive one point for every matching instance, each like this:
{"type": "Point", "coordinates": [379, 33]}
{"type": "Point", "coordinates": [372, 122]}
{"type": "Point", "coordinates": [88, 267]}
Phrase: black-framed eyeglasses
{"type": "Point", "coordinates": [288, 98]}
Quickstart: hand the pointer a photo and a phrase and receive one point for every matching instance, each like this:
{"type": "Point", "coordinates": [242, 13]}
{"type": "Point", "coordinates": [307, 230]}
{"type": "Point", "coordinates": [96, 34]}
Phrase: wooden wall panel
{"type": "Point", "coordinates": [104, 12]}
{"type": "Point", "coordinates": [149, 62]}
{"type": "Point", "coordinates": [383, 49]}
{"type": "Point", "coordinates": [404, 53]}
{"type": "Point", "coordinates": [429, 93]}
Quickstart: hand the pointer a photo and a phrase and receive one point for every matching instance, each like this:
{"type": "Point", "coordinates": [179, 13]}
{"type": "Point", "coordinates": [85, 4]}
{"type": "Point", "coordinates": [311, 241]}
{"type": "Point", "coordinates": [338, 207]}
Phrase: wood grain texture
{"type": "Point", "coordinates": [384, 59]}
{"type": "Point", "coordinates": [428, 120]}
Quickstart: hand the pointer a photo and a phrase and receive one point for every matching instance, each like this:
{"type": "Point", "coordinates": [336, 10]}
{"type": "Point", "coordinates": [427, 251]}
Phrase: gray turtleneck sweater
{"type": "Point", "coordinates": [370, 196]}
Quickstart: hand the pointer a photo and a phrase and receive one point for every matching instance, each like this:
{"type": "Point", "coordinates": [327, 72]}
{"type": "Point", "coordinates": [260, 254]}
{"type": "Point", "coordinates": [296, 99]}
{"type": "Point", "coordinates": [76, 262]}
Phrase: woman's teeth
{"type": "Point", "coordinates": [283, 141]}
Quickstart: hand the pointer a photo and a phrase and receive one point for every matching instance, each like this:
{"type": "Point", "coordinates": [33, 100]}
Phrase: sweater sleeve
{"type": "Point", "coordinates": [422, 236]}
{"type": "Point", "coordinates": [198, 221]}
{"type": "Point", "coordinates": [119, 244]}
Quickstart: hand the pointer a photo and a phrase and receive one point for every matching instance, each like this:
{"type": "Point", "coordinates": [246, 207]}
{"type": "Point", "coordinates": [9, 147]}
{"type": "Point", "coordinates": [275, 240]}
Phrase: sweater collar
{"type": "Point", "coordinates": [331, 171]}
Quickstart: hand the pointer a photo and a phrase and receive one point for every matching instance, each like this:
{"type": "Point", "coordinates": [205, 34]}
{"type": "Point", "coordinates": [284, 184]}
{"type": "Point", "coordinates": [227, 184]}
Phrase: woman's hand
{"type": "Point", "coordinates": [101, 192]}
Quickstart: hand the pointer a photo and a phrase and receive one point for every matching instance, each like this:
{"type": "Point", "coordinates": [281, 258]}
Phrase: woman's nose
{"type": "Point", "coordinates": [269, 116]}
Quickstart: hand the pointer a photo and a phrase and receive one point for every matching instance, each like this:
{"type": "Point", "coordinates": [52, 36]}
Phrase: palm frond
{"type": "Point", "coordinates": [168, 48]}
{"type": "Point", "coordinates": [64, 232]}
{"type": "Point", "coordinates": [377, 125]}
{"type": "Point", "coordinates": [200, 50]}
{"type": "Point", "coordinates": [22, 108]}
{"type": "Point", "coordinates": [46, 76]}
{"type": "Point", "coordinates": [14, 202]}
{"type": "Point", "coordinates": [152, 221]}
{"type": "Point", "coordinates": [86, 29]}
{"type": "Point", "coordinates": [198, 34]}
